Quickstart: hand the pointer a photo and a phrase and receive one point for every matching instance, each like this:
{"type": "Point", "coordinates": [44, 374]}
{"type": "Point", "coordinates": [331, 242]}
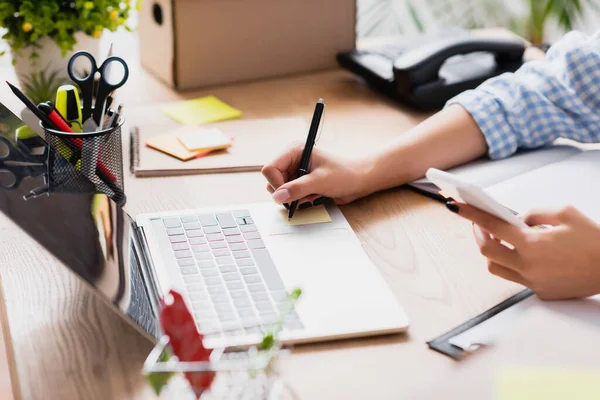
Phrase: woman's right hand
{"type": "Point", "coordinates": [342, 180]}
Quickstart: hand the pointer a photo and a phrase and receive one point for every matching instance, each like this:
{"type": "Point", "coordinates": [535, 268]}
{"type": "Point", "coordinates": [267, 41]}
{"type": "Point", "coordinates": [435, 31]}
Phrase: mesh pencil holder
{"type": "Point", "coordinates": [94, 162]}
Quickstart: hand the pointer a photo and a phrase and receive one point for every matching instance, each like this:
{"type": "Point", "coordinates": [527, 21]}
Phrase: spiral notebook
{"type": "Point", "coordinates": [255, 143]}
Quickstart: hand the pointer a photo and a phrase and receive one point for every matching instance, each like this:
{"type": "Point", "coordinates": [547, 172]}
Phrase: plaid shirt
{"type": "Point", "coordinates": [543, 100]}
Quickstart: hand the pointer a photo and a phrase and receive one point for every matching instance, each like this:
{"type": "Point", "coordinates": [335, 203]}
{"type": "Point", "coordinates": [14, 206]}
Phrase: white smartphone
{"type": "Point", "coordinates": [473, 195]}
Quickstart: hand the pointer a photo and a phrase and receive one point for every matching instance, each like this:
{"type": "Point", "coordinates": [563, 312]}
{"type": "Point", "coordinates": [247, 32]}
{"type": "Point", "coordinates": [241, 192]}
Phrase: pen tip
{"type": "Point", "coordinates": [320, 100]}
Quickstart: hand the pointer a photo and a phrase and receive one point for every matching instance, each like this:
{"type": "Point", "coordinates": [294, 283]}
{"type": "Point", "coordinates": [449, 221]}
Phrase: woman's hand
{"type": "Point", "coordinates": [560, 262]}
{"type": "Point", "coordinates": [330, 176]}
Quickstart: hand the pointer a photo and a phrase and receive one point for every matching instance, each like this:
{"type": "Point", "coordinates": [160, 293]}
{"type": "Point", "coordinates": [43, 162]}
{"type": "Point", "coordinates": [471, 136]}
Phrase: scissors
{"type": "Point", "coordinates": [19, 165]}
{"type": "Point", "coordinates": [105, 86]}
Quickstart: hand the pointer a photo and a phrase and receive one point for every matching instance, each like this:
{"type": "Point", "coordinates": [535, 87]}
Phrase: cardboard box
{"type": "Point", "coordinates": [195, 43]}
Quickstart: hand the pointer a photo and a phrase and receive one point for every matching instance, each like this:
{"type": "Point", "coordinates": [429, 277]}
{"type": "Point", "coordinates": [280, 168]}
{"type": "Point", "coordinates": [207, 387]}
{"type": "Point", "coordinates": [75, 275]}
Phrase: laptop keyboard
{"type": "Point", "coordinates": [231, 280]}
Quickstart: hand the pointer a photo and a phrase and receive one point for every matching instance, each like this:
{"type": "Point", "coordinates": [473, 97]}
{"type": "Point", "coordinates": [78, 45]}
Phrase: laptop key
{"type": "Point", "coordinates": [175, 231]}
{"type": "Point", "coordinates": [197, 296]}
{"type": "Point", "coordinates": [252, 235]}
{"type": "Point", "coordinates": [216, 289]}
{"type": "Point", "coordinates": [223, 307]}
{"type": "Point", "coordinates": [188, 226]}
{"type": "Point", "coordinates": [192, 278]}
{"type": "Point", "coordinates": [249, 271]}
{"type": "Point", "coordinates": [248, 220]}
{"type": "Point", "coordinates": [245, 262]}
{"type": "Point", "coordinates": [177, 238]}
{"type": "Point", "coordinates": [207, 220]}
{"type": "Point", "coordinates": [248, 228]}
{"type": "Point", "coordinates": [208, 272]}
{"type": "Point", "coordinates": [231, 231]}
{"type": "Point", "coordinates": [238, 294]}
{"type": "Point", "coordinates": [221, 252]}
{"type": "Point", "coordinates": [246, 313]}
{"type": "Point", "coordinates": [195, 233]}
{"type": "Point", "coordinates": [256, 244]}
{"type": "Point", "coordinates": [224, 260]}
{"type": "Point", "coordinates": [234, 239]}
{"type": "Point", "coordinates": [252, 278]}
{"type": "Point", "coordinates": [220, 298]}
{"type": "Point", "coordinates": [240, 221]}
{"type": "Point", "coordinates": [218, 245]}
{"type": "Point", "coordinates": [226, 220]}
{"type": "Point", "coordinates": [182, 253]}
{"type": "Point", "coordinates": [196, 287]}
{"type": "Point", "coordinates": [242, 303]}
{"type": "Point", "coordinates": [227, 268]}
{"type": "Point", "coordinates": [234, 285]}
{"type": "Point", "coordinates": [231, 277]}
{"type": "Point", "coordinates": [197, 240]}
{"type": "Point", "coordinates": [213, 237]}
{"type": "Point", "coordinates": [260, 296]}
{"type": "Point", "coordinates": [213, 281]}
{"type": "Point", "coordinates": [188, 270]}
{"type": "Point", "coordinates": [264, 307]}
{"type": "Point", "coordinates": [267, 268]}
{"type": "Point", "coordinates": [186, 262]}
{"type": "Point", "coordinates": [256, 287]}
{"type": "Point", "coordinates": [203, 256]}
{"type": "Point", "coordinates": [171, 222]}
{"type": "Point", "coordinates": [237, 246]}
{"type": "Point", "coordinates": [207, 264]}
{"type": "Point", "coordinates": [212, 229]}
{"type": "Point", "coordinates": [227, 316]}
{"type": "Point", "coordinates": [253, 330]}
{"type": "Point", "coordinates": [188, 218]}
{"type": "Point", "coordinates": [200, 248]}
{"type": "Point", "coordinates": [241, 254]}
{"type": "Point", "coordinates": [180, 246]}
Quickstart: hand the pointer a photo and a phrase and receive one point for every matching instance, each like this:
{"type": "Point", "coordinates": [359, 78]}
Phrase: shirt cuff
{"type": "Point", "coordinates": [491, 119]}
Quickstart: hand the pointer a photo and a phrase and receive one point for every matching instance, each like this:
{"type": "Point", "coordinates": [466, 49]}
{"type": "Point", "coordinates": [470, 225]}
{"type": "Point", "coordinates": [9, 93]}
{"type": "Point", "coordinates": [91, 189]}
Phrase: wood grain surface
{"type": "Point", "coordinates": [68, 344]}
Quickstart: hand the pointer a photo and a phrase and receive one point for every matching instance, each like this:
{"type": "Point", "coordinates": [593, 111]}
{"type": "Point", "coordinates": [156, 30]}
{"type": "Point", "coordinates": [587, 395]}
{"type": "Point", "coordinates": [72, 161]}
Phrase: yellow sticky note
{"type": "Point", "coordinates": [313, 215]}
{"type": "Point", "coordinates": [169, 144]}
{"type": "Point", "coordinates": [198, 139]}
{"type": "Point", "coordinates": [529, 383]}
{"type": "Point", "coordinates": [201, 111]}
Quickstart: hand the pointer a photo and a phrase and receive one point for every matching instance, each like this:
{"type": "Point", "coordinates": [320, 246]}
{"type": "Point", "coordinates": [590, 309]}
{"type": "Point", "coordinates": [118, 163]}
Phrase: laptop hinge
{"type": "Point", "coordinates": [142, 252]}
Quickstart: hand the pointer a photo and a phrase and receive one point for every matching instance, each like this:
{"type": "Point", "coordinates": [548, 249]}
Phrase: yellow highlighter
{"type": "Point", "coordinates": [68, 105]}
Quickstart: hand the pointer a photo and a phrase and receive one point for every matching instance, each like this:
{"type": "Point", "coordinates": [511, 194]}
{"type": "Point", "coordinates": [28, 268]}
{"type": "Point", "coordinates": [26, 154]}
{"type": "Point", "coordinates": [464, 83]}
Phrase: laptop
{"type": "Point", "coordinates": [235, 265]}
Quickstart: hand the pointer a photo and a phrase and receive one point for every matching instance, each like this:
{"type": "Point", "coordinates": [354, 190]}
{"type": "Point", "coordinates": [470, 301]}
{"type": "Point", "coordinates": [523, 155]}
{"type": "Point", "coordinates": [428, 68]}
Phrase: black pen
{"type": "Point", "coordinates": [308, 148]}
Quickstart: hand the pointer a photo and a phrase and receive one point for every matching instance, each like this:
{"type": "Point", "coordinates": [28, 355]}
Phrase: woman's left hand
{"type": "Point", "coordinates": [560, 262]}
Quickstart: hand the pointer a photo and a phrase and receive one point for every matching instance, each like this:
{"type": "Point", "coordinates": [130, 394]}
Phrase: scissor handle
{"type": "Point", "coordinates": [105, 87]}
{"type": "Point", "coordinates": [15, 182]}
{"type": "Point", "coordinates": [85, 84]}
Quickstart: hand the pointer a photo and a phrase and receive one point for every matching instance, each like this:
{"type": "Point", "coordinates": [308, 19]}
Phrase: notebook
{"type": "Point", "coordinates": [256, 142]}
{"type": "Point", "coordinates": [566, 173]}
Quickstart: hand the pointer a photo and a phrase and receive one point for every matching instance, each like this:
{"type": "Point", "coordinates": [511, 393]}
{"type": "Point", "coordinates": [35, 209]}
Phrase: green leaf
{"type": "Point", "coordinates": [158, 380]}
{"type": "Point", "coordinates": [267, 342]}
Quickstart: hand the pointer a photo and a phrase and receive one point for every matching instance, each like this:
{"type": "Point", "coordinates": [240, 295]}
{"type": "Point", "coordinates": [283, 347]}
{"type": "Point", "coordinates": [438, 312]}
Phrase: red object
{"type": "Point", "coordinates": [186, 342]}
{"type": "Point", "coordinates": [62, 126]}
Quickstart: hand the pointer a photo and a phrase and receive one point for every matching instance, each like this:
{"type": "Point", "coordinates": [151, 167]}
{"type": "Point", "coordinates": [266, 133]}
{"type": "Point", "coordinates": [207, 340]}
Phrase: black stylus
{"type": "Point", "coordinates": [308, 148]}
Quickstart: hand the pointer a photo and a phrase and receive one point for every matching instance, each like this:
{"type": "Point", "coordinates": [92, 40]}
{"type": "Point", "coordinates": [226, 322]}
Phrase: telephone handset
{"type": "Point", "coordinates": [426, 72]}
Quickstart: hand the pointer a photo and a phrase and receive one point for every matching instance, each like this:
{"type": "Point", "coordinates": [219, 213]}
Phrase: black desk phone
{"type": "Point", "coordinates": [427, 70]}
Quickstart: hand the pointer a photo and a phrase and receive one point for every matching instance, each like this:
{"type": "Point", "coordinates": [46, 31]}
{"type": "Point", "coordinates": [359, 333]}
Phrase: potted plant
{"type": "Point", "coordinates": [42, 34]}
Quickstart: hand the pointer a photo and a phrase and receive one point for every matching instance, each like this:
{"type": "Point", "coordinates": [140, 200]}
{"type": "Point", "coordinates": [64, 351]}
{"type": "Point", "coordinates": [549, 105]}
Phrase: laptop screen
{"type": "Point", "coordinates": [87, 232]}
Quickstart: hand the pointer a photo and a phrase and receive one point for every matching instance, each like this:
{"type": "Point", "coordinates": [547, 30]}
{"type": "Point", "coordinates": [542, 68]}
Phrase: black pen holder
{"type": "Point", "coordinates": [89, 162]}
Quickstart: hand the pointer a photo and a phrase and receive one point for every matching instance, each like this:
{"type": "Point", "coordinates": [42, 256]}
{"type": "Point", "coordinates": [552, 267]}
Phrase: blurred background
{"type": "Point", "coordinates": [539, 21]}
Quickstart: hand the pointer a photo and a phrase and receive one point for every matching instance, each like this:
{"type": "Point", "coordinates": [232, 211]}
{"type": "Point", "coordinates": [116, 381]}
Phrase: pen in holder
{"type": "Point", "coordinates": [96, 156]}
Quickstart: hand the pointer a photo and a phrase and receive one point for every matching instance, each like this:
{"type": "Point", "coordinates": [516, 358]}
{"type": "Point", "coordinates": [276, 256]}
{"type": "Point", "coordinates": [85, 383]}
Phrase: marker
{"type": "Point", "coordinates": [115, 120]}
{"type": "Point", "coordinates": [69, 106]}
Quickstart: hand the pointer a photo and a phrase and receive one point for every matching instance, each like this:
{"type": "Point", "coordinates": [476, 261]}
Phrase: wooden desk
{"type": "Point", "coordinates": [68, 345]}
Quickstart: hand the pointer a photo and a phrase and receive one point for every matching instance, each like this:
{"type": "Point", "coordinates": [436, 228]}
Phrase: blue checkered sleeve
{"type": "Point", "coordinates": [542, 101]}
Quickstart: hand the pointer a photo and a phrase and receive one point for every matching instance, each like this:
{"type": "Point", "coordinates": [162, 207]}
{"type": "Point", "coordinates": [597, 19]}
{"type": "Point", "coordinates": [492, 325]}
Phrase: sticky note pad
{"type": "Point", "coordinates": [529, 383]}
{"type": "Point", "coordinates": [199, 139]}
{"type": "Point", "coordinates": [169, 144]}
{"type": "Point", "coordinates": [313, 215]}
{"type": "Point", "coordinates": [201, 111]}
